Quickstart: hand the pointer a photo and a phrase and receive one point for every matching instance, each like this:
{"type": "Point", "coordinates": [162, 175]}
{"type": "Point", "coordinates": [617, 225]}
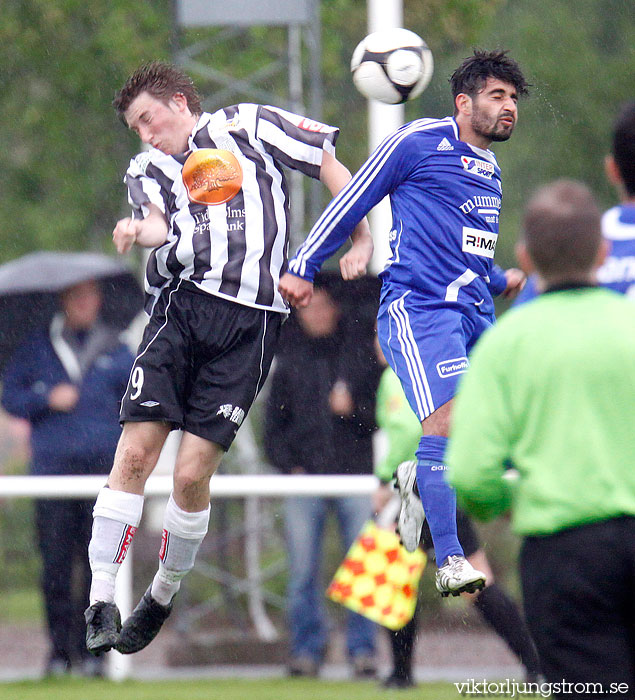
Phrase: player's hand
{"type": "Point", "coordinates": [354, 263]}
{"type": "Point", "coordinates": [515, 282]}
{"type": "Point", "coordinates": [125, 234]}
{"type": "Point", "coordinates": [295, 290]}
{"type": "Point", "coordinates": [340, 399]}
{"type": "Point", "coordinates": [63, 397]}
{"type": "Point", "coordinates": [381, 497]}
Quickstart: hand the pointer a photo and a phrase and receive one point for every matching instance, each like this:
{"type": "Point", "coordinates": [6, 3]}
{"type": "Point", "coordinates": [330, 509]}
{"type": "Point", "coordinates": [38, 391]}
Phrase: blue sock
{"type": "Point", "coordinates": [439, 500]}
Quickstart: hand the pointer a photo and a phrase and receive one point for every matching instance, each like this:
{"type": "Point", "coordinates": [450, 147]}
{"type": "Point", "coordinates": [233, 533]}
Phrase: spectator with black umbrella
{"type": "Point", "coordinates": [67, 379]}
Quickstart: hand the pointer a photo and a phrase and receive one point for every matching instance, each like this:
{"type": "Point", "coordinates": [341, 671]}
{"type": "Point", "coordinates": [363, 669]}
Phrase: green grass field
{"type": "Point", "coordinates": [278, 689]}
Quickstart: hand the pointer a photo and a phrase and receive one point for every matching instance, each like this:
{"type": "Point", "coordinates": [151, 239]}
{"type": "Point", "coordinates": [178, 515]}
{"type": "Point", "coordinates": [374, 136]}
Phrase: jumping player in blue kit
{"type": "Point", "coordinates": [437, 287]}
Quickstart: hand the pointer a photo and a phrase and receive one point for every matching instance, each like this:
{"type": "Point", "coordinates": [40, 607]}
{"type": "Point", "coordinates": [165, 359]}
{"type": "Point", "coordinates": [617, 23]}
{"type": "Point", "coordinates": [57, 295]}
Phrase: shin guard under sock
{"type": "Point", "coordinates": [116, 516]}
{"type": "Point", "coordinates": [437, 497]}
{"type": "Point", "coordinates": [183, 533]}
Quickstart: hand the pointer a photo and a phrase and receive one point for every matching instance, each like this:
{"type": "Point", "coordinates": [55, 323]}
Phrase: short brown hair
{"type": "Point", "coordinates": [162, 81]}
{"type": "Point", "coordinates": [562, 229]}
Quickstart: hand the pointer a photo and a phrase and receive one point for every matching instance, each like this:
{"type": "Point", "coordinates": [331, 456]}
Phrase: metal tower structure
{"type": "Point", "coordinates": [204, 27]}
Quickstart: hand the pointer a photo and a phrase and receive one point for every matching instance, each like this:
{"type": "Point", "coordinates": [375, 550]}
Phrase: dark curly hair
{"type": "Point", "coordinates": [623, 146]}
{"type": "Point", "coordinates": [470, 77]}
{"type": "Point", "coordinates": [162, 81]}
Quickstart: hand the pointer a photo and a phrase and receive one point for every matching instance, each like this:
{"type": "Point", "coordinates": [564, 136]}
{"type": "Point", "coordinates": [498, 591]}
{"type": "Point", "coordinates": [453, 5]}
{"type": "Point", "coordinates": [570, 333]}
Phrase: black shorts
{"type": "Point", "coordinates": [578, 597]}
{"type": "Point", "coordinates": [201, 363]}
{"type": "Point", "coordinates": [465, 530]}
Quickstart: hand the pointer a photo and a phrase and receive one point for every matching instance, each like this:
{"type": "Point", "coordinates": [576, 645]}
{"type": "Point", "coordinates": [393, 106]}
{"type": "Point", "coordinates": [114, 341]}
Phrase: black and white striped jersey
{"type": "Point", "coordinates": [238, 249]}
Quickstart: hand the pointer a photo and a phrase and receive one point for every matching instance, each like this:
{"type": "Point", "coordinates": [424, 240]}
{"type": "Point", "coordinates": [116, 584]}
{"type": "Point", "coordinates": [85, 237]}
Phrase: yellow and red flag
{"type": "Point", "coordinates": [379, 578]}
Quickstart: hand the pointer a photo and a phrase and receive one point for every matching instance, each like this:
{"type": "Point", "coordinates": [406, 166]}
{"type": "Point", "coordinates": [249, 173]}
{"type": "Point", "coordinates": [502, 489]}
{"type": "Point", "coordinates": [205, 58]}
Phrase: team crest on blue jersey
{"type": "Point", "coordinates": [476, 166]}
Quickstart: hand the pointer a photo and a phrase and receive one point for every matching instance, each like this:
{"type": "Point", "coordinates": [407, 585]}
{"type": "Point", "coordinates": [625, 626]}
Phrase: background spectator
{"type": "Point", "coordinates": [67, 381]}
{"type": "Point", "coordinates": [320, 420]}
{"type": "Point", "coordinates": [618, 223]}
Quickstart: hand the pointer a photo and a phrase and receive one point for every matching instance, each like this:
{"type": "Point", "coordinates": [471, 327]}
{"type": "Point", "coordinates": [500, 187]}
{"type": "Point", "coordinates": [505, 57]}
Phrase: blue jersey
{"type": "Point", "coordinates": [445, 197]}
{"type": "Point", "coordinates": [618, 270]}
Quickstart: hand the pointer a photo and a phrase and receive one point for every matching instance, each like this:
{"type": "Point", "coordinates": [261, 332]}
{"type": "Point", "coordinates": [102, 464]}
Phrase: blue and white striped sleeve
{"type": "Point", "coordinates": [378, 177]}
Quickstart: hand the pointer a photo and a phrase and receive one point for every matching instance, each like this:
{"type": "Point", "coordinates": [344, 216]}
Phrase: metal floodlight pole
{"type": "Point", "coordinates": [296, 105]}
{"type": "Point", "coordinates": [382, 120]}
{"type": "Point", "coordinates": [313, 34]}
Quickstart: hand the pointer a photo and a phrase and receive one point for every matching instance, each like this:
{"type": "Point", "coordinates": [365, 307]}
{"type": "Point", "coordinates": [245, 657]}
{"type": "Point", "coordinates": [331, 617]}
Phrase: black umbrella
{"type": "Point", "coordinates": [29, 289]}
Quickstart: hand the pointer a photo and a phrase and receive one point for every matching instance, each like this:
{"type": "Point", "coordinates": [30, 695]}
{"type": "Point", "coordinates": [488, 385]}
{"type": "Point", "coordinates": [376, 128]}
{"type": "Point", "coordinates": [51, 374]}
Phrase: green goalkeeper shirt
{"type": "Point", "coordinates": [550, 392]}
{"type": "Point", "coordinates": [399, 423]}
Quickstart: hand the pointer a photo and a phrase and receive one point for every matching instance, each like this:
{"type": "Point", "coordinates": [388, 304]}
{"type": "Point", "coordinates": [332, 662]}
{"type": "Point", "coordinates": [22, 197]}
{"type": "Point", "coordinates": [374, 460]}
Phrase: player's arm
{"type": "Point", "coordinates": [334, 175]}
{"type": "Point", "coordinates": [516, 280]}
{"type": "Point", "coordinates": [381, 173]}
{"type": "Point", "coordinates": [509, 283]}
{"type": "Point", "coordinates": [24, 394]}
{"type": "Point", "coordinates": [149, 232]}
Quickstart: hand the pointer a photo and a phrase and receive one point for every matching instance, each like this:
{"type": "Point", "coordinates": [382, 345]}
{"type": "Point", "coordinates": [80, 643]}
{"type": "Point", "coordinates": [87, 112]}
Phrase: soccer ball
{"type": "Point", "coordinates": [392, 66]}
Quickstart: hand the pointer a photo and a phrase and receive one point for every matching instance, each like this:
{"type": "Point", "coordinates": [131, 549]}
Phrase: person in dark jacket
{"type": "Point", "coordinates": [67, 381]}
{"type": "Point", "coordinates": [320, 420]}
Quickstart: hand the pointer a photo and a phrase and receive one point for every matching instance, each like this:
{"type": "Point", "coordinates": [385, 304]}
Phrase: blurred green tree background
{"type": "Point", "coordinates": [63, 152]}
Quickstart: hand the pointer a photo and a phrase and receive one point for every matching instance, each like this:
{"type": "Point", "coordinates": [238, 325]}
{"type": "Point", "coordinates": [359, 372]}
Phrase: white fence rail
{"type": "Point", "coordinates": [222, 486]}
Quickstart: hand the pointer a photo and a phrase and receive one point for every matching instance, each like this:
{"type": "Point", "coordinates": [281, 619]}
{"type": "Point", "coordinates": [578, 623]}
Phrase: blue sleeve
{"type": "Point", "coordinates": [528, 292]}
{"type": "Point", "coordinates": [23, 394]}
{"type": "Point", "coordinates": [497, 281]}
{"type": "Point", "coordinates": [386, 168]}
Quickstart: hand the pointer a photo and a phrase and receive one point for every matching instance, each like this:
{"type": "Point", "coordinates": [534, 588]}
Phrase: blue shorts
{"type": "Point", "coordinates": [427, 344]}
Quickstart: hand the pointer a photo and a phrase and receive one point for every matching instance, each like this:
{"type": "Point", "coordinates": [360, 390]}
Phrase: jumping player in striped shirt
{"type": "Point", "coordinates": [445, 192]}
{"type": "Point", "coordinates": [211, 199]}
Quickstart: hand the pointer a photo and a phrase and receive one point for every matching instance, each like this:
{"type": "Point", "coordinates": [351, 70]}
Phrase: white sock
{"type": "Point", "coordinates": [116, 516]}
{"type": "Point", "coordinates": [183, 533]}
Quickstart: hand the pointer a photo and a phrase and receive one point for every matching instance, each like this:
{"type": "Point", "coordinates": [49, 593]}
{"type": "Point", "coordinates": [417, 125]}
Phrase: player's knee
{"type": "Point", "coordinates": [136, 460]}
{"type": "Point", "coordinates": [438, 423]}
{"type": "Point", "coordinates": [139, 447]}
{"type": "Point", "coordinates": [479, 561]}
{"type": "Point", "coordinates": [197, 460]}
{"type": "Point", "coordinates": [191, 485]}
